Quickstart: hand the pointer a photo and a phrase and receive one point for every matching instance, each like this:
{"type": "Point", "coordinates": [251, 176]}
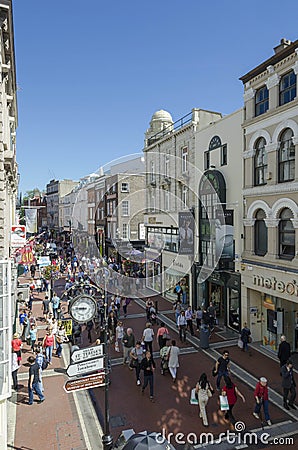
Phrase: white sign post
{"type": "Point", "coordinates": [85, 354]}
{"type": "Point", "coordinates": [84, 367]}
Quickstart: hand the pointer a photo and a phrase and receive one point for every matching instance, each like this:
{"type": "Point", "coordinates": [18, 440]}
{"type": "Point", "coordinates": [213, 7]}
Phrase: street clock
{"type": "Point", "coordinates": [82, 309]}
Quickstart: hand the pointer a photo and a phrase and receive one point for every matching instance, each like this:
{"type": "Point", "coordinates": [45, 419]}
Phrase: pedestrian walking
{"type": "Point", "coordinates": [222, 368]}
{"type": "Point", "coordinates": [245, 337]}
{"type": "Point", "coordinates": [204, 391]}
{"type": "Point", "coordinates": [148, 335]}
{"type": "Point", "coordinates": [14, 370]}
{"type": "Point", "coordinates": [182, 323]}
{"type": "Point", "coordinates": [56, 305]}
{"type": "Point", "coordinates": [288, 385]}
{"type": "Point", "coordinates": [284, 351]}
{"type": "Point", "coordinates": [262, 399]}
{"type": "Point", "coordinates": [61, 337]}
{"type": "Point", "coordinates": [33, 336]}
{"type": "Point", "coordinates": [212, 315]}
{"type": "Point", "coordinates": [89, 328]}
{"type": "Point", "coordinates": [34, 381]}
{"type": "Point", "coordinates": [232, 392]}
{"type": "Point", "coordinates": [128, 344]}
{"type": "Point", "coordinates": [17, 345]}
{"type": "Point", "coordinates": [136, 357]}
{"type": "Point", "coordinates": [189, 316]}
{"type": "Point", "coordinates": [162, 335]}
{"type": "Point", "coordinates": [199, 316]}
{"type": "Point", "coordinates": [177, 308]}
{"type": "Point", "coordinates": [119, 336]}
{"type": "Point", "coordinates": [148, 366]}
{"type": "Point", "coordinates": [23, 320]}
{"type": "Point", "coordinates": [112, 324]}
{"type": "Point", "coordinates": [48, 344]}
{"type": "Point", "coordinates": [45, 307]}
{"type": "Point", "coordinates": [178, 291]}
{"type": "Point", "coordinates": [173, 360]}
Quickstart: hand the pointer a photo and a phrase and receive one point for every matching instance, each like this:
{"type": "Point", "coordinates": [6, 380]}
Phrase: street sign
{"type": "Point", "coordinates": [85, 354]}
{"type": "Point", "coordinates": [84, 367]}
{"type": "Point", "coordinates": [88, 382]}
{"type": "Point", "coordinates": [43, 261]}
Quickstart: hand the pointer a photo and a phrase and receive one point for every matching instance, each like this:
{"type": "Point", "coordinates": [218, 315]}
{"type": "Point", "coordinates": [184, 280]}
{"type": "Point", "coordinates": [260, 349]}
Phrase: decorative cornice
{"type": "Point", "coordinates": [249, 153]}
{"type": "Point", "coordinates": [271, 223]}
{"type": "Point", "coordinates": [249, 222]}
{"type": "Point", "coordinates": [249, 94]}
{"type": "Point", "coordinates": [295, 223]}
{"type": "Point", "coordinates": [272, 81]}
{"type": "Point", "coordinates": [271, 147]}
{"type": "Point", "coordinates": [279, 188]}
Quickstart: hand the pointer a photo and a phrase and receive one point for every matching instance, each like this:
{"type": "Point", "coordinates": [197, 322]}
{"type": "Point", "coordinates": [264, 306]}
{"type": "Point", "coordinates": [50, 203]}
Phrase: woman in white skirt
{"type": "Point", "coordinates": [173, 360]}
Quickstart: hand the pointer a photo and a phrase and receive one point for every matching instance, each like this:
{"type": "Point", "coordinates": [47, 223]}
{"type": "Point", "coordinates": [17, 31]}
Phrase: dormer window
{"type": "Point", "coordinates": [261, 101]}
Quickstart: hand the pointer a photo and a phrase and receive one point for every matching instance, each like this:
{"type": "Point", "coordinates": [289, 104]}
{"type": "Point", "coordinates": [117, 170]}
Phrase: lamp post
{"type": "Point", "coordinates": [107, 439]}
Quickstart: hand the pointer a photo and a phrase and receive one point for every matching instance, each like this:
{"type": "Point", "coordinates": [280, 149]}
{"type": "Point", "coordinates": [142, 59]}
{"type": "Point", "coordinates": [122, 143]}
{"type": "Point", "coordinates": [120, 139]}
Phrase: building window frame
{"type": "Point", "coordinates": [125, 208]}
{"type": "Point", "coordinates": [286, 157]}
{"type": "Point", "coordinates": [260, 163]}
{"type": "Point", "coordinates": [261, 234]}
{"type": "Point", "coordinates": [224, 155]}
{"type": "Point", "coordinates": [125, 231]}
{"type": "Point", "coordinates": [125, 187]}
{"type": "Point", "coordinates": [261, 101]}
{"type": "Point", "coordinates": [286, 235]}
{"type": "Point", "coordinates": [287, 88]}
{"type": "Point", "coordinates": [184, 157]}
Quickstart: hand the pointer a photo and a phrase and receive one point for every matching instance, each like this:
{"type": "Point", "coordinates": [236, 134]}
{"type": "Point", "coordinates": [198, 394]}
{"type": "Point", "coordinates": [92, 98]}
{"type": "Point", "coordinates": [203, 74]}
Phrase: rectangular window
{"type": "Point", "coordinates": [91, 213]}
{"type": "Point", "coordinates": [224, 155]}
{"type": "Point", "coordinates": [184, 159]}
{"type": "Point", "coordinates": [124, 231]}
{"type": "Point", "coordinates": [206, 160]}
{"type": "Point", "coordinates": [124, 187]}
{"type": "Point", "coordinates": [125, 208]}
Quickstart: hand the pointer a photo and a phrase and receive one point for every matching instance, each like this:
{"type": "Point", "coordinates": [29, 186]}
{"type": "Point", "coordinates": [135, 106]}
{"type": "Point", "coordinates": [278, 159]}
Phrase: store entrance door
{"type": "Point", "coordinates": [216, 297]}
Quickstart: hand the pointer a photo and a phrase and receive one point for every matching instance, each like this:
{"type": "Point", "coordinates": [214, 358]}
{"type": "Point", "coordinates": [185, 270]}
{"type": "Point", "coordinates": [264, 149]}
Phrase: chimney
{"type": "Point", "coordinates": [284, 43]}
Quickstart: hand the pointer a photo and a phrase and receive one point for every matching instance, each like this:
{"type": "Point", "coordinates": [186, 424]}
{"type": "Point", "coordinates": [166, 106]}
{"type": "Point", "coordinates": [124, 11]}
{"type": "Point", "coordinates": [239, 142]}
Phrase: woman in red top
{"type": "Point", "coordinates": [16, 345]}
{"type": "Point", "coordinates": [231, 391]}
{"type": "Point", "coordinates": [48, 345]}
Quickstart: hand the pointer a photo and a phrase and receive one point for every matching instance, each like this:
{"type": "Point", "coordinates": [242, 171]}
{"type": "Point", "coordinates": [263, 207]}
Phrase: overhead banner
{"type": "Point", "coordinates": [224, 234]}
{"type": "Point", "coordinates": [186, 233]}
{"type": "Point", "coordinates": [18, 236]}
{"type": "Point", "coordinates": [31, 220]}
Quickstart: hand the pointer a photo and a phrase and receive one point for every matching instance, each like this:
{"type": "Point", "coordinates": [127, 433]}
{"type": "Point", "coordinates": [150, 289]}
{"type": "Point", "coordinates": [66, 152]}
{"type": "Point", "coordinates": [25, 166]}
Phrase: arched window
{"type": "Point", "coordinates": [261, 238]}
{"type": "Point", "coordinates": [260, 163]}
{"type": "Point", "coordinates": [287, 88]}
{"type": "Point", "coordinates": [286, 235]}
{"type": "Point", "coordinates": [261, 101]}
{"type": "Point", "coordinates": [286, 157]}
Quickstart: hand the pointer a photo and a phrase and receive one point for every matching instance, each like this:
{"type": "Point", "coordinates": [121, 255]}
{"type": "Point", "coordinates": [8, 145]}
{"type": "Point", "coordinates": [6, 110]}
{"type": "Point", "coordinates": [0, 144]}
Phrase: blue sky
{"type": "Point", "coordinates": [90, 74]}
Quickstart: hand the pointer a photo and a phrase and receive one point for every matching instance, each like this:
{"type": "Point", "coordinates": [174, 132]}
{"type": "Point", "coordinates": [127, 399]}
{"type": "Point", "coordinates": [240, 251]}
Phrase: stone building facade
{"type": "Point", "coordinates": [270, 194]}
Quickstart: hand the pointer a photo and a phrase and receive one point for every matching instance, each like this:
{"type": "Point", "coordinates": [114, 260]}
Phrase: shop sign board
{"type": "Point", "coordinates": [87, 382]}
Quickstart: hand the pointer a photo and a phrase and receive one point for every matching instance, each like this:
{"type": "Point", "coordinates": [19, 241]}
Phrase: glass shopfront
{"type": "Point", "coordinates": [153, 273]}
{"type": "Point", "coordinates": [171, 278]}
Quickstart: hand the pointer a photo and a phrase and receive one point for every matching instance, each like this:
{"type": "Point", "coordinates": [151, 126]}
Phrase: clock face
{"type": "Point", "coordinates": [82, 308]}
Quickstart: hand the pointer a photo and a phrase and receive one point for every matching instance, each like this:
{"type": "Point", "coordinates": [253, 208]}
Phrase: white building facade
{"type": "Point", "coordinates": [270, 191]}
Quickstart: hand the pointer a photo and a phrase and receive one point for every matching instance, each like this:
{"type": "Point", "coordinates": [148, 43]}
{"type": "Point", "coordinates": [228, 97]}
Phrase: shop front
{"type": "Point", "coordinates": [272, 300]}
{"type": "Point", "coordinates": [176, 268]}
{"type": "Point", "coordinates": [153, 270]}
{"type": "Point", "coordinates": [223, 289]}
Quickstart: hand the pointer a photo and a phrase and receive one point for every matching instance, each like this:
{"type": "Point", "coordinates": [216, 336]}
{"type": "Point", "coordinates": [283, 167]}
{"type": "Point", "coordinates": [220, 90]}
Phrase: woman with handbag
{"type": "Point", "coordinates": [204, 391]}
{"type": "Point", "coordinates": [162, 335]}
{"type": "Point", "coordinates": [231, 392]}
{"type": "Point", "coordinates": [136, 355]}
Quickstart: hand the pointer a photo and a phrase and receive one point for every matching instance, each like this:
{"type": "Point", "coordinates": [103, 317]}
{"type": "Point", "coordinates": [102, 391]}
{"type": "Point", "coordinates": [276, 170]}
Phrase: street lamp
{"type": "Point", "coordinates": [107, 439]}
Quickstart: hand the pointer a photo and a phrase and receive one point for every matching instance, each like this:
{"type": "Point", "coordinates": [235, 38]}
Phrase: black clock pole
{"type": "Point", "coordinates": [107, 439]}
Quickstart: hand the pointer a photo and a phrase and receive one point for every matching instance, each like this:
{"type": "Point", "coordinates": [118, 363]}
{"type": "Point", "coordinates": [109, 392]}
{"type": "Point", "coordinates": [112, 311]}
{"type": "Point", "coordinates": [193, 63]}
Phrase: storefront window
{"type": "Point", "coordinates": [171, 278]}
{"type": "Point", "coordinates": [153, 277]}
{"type": "Point", "coordinates": [234, 309]}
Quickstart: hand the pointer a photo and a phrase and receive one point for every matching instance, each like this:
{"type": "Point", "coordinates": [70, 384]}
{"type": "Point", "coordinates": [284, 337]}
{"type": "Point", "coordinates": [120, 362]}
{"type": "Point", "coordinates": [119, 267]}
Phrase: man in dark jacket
{"type": "Point", "coordinates": [148, 366]}
{"type": "Point", "coordinates": [284, 351]}
{"type": "Point", "coordinates": [288, 385]}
